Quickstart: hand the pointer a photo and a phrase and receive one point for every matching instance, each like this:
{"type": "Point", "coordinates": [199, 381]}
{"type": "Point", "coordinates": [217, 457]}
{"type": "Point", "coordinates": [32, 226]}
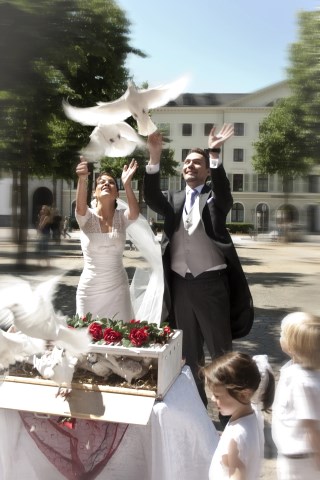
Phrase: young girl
{"type": "Point", "coordinates": [233, 379]}
{"type": "Point", "coordinates": [296, 410]}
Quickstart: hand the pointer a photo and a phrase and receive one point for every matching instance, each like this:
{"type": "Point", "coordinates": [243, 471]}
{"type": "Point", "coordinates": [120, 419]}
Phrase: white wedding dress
{"type": "Point", "coordinates": [103, 288]}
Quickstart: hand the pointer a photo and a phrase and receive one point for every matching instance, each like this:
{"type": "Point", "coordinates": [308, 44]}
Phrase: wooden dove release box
{"type": "Point", "coordinates": [99, 401]}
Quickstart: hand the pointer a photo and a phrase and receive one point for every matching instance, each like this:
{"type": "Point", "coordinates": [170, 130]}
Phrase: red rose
{"type": "Point", "coordinates": [134, 321]}
{"type": "Point", "coordinates": [166, 330]}
{"type": "Point", "coordinates": [138, 336]}
{"type": "Point", "coordinates": [95, 330]}
{"type": "Point", "coordinates": [112, 336]}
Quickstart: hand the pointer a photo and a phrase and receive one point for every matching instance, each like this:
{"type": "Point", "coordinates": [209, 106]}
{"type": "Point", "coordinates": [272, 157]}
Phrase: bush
{"type": "Point", "coordinates": [239, 227]}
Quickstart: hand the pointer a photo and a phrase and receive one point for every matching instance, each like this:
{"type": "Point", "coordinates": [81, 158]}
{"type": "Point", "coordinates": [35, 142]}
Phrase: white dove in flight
{"type": "Point", "coordinates": [135, 102]}
{"type": "Point", "coordinates": [16, 347]}
{"type": "Point", "coordinates": [34, 315]}
{"type": "Point", "coordinates": [117, 140]}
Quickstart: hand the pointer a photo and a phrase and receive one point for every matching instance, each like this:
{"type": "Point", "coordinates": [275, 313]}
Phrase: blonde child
{"type": "Point", "coordinates": [233, 379]}
{"type": "Point", "coordinates": [296, 409]}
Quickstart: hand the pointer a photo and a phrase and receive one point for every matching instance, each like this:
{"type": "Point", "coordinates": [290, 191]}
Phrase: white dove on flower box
{"type": "Point", "coordinates": [100, 401]}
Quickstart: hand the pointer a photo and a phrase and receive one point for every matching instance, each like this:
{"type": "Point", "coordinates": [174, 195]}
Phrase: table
{"type": "Point", "coordinates": [177, 443]}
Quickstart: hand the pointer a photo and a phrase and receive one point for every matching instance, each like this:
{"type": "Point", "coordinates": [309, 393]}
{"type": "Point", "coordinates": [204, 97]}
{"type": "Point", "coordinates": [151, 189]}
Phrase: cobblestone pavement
{"type": "Point", "coordinates": [282, 278]}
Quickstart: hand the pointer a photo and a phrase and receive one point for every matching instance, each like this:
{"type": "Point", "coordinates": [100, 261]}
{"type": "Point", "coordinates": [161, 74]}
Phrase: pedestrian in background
{"type": "Point", "coordinates": [43, 230]}
{"type": "Point", "coordinates": [65, 228]}
{"type": "Point", "coordinates": [296, 409]}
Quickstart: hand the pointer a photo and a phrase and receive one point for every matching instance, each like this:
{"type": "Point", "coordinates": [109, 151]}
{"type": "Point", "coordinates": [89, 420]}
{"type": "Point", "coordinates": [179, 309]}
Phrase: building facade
{"type": "Point", "coordinates": [258, 199]}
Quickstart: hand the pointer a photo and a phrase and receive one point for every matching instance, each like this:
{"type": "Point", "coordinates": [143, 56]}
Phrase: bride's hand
{"type": "Point", "coordinates": [128, 172]}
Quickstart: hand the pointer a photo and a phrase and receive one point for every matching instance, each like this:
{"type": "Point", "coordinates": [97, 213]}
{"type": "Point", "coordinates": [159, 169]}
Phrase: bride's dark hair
{"type": "Point", "coordinates": [111, 175]}
{"type": "Point", "coordinates": [107, 174]}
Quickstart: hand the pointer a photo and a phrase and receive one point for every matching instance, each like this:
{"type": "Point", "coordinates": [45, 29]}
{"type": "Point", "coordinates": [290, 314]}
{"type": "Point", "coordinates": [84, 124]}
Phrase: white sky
{"type": "Point", "coordinates": [227, 46]}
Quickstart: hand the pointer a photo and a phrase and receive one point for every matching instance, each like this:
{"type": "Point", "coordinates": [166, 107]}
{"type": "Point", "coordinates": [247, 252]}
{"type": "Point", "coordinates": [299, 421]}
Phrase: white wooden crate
{"type": "Point", "coordinates": [168, 358]}
{"type": "Point", "coordinates": [98, 402]}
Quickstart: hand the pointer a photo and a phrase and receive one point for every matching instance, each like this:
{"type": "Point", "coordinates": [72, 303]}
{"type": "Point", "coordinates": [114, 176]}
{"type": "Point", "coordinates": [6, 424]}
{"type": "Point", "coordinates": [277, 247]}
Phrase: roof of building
{"type": "Point", "coordinates": [205, 99]}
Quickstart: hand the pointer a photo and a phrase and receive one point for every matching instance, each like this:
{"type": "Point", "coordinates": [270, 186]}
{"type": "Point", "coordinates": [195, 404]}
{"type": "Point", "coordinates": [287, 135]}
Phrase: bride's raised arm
{"type": "Point", "coordinates": [126, 177]}
{"type": "Point", "coordinates": [81, 196]}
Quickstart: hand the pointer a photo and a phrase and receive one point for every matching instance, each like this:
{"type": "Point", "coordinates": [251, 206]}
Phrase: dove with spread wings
{"type": "Point", "coordinates": [134, 102]}
{"type": "Point", "coordinates": [118, 140]}
{"type": "Point", "coordinates": [16, 347]}
{"type": "Point", "coordinates": [34, 315]}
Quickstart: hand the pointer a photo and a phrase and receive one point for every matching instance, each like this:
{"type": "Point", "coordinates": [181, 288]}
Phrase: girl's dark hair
{"type": "Point", "coordinates": [236, 372]}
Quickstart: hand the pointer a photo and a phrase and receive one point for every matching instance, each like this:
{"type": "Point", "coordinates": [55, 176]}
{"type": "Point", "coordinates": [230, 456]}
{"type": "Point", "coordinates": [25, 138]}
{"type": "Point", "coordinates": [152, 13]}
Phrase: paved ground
{"type": "Point", "coordinates": [282, 278]}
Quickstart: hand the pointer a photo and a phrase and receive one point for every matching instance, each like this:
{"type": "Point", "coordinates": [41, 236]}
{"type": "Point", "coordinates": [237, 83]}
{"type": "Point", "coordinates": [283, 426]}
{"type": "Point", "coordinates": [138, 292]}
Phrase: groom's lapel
{"type": "Point", "coordinates": [204, 195]}
{"type": "Point", "coordinates": [178, 202]}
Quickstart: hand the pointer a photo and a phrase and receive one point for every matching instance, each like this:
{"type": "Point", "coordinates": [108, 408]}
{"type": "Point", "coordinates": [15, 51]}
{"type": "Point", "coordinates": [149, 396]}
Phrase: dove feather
{"type": "Point", "coordinates": [16, 347]}
{"type": "Point", "coordinates": [105, 113]}
{"type": "Point", "coordinates": [34, 315]}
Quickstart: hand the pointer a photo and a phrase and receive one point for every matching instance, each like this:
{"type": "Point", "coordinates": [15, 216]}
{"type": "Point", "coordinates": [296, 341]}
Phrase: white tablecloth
{"type": "Point", "coordinates": [177, 443]}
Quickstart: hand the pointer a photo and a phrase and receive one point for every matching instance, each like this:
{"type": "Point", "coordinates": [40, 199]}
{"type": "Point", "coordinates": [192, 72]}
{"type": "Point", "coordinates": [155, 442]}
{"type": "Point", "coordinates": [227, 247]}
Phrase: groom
{"type": "Point", "coordinates": [207, 295]}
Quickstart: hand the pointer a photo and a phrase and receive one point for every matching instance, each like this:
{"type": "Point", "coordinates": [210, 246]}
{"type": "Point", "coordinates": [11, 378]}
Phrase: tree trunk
{"type": "Point", "coordinates": [23, 218]}
{"type": "Point", "coordinates": [285, 226]}
{"type": "Point", "coordinates": [15, 194]}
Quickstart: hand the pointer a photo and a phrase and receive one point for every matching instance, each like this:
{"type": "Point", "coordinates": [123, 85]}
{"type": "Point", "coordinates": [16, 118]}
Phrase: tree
{"type": "Point", "coordinates": [50, 50]}
{"type": "Point", "coordinates": [281, 145]}
{"type": "Point", "coordinates": [304, 80]}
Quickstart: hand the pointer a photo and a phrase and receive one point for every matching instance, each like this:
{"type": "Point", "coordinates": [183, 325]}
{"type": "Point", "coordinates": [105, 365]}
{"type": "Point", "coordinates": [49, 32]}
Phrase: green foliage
{"type": "Point", "coordinates": [304, 79]}
{"type": "Point", "coordinates": [111, 331]}
{"type": "Point", "coordinates": [52, 50]}
{"type": "Point", "coordinates": [168, 166]}
{"type": "Point", "coordinates": [237, 227]}
{"type": "Point", "coordinates": [280, 147]}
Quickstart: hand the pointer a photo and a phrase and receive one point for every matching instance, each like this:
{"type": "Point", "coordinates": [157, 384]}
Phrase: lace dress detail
{"type": "Point", "coordinates": [103, 288]}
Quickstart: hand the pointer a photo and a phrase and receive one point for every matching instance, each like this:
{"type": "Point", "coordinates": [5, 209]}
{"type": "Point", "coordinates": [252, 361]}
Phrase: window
{"type": "Point", "coordinates": [238, 154]}
{"type": "Point", "coordinates": [207, 128]}
{"type": "Point", "coordinates": [239, 129]}
{"type": "Point", "coordinates": [237, 182]}
{"type": "Point", "coordinates": [314, 183]}
{"type": "Point", "coordinates": [262, 183]}
{"type": "Point", "coordinates": [237, 213]}
{"type": "Point", "coordinates": [164, 183]}
{"type": "Point", "coordinates": [164, 128]}
{"type": "Point", "coordinates": [187, 129]}
{"type": "Point", "coordinates": [184, 153]}
{"type": "Point", "coordinates": [287, 185]}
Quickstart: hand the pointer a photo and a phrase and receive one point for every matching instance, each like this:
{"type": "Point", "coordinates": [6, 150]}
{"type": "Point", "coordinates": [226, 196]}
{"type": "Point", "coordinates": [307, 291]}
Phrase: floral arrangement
{"type": "Point", "coordinates": [136, 333]}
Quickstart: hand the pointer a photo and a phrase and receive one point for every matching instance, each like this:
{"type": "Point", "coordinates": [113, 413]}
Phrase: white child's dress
{"type": "Point", "coordinates": [247, 432]}
{"type": "Point", "coordinates": [297, 398]}
{"type": "Point", "coordinates": [103, 288]}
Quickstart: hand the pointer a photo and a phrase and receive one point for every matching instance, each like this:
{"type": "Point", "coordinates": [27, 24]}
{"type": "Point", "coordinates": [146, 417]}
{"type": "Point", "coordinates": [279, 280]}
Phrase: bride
{"type": "Point", "coordinates": [103, 288]}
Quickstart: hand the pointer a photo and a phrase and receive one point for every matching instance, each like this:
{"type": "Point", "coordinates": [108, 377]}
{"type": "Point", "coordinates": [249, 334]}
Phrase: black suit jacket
{"type": "Point", "coordinates": [215, 202]}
